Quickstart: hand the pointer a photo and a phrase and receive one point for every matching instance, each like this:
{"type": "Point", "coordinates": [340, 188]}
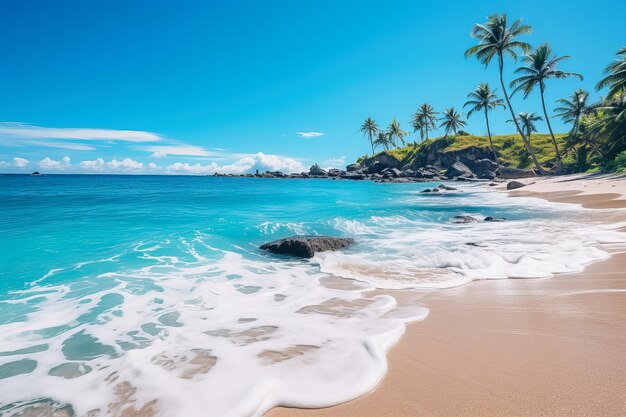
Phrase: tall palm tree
{"type": "Point", "coordinates": [383, 141]}
{"type": "Point", "coordinates": [426, 118]}
{"type": "Point", "coordinates": [484, 99]}
{"type": "Point", "coordinates": [496, 38]}
{"type": "Point", "coordinates": [615, 77]}
{"type": "Point", "coordinates": [527, 121]}
{"type": "Point", "coordinates": [394, 132]}
{"type": "Point", "coordinates": [370, 129]}
{"type": "Point", "coordinates": [541, 66]}
{"type": "Point", "coordinates": [610, 129]}
{"type": "Point", "coordinates": [418, 125]}
{"type": "Point", "coordinates": [573, 109]}
{"type": "Point", "coordinates": [451, 121]}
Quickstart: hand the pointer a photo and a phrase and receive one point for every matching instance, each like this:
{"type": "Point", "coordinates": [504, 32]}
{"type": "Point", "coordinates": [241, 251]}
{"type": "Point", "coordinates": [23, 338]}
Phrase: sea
{"type": "Point", "coordinates": [149, 295]}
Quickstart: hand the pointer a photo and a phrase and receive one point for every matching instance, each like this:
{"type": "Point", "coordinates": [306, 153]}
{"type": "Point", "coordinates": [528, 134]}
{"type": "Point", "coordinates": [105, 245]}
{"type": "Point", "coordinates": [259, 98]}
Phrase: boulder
{"type": "Point", "coordinates": [459, 169]}
{"type": "Point", "coordinates": [512, 185]}
{"type": "Point", "coordinates": [306, 246]}
{"type": "Point", "coordinates": [429, 190]}
{"type": "Point", "coordinates": [447, 188]}
{"type": "Point", "coordinates": [408, 173]}
{"type": "Point", "coordinates": [316, 171]}
{"type": "Point", "coordinates": [510, 173]}
{"type": "Point", "coordinates": [464, 219]}
{"type": "Point", "coordinates": [353, 167]}
{"type": "Point", "coordinates": [379, 162]}
{"type": "Point", "coordinates": [353, 176]}
{"type": "Point", "coordinates": [334, 172]}
{"type": "Point", "coordinates": [395, 172]}
{"type": "Point", "coordinates": [484, 169]}
{"type": "Point", "coordinates": [494, 219]}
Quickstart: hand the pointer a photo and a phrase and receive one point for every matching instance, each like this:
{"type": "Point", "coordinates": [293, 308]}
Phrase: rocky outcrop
{"type": "Point", "coordinates": [316, 171]}
{"type": "Point", "coordinates": [306, 246]}
{"type": "Point", "coordinates": [380, 162]}
{"type": "Point", "coordinates": [464, 219]}
{"type": "Point", "coordinates": [511, 173]}
{"type": "Point", "coordinates": [353, 167]}
{"type": "Point", "coordinates": [459, 170]}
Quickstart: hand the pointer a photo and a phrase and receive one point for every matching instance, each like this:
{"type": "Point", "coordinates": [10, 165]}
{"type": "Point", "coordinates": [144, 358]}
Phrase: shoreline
{"type": "Point", "coordinates": [536, 347]}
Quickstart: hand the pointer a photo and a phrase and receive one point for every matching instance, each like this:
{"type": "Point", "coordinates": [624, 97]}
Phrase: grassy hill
{"type": "Point", "coordinates": [510, 149]}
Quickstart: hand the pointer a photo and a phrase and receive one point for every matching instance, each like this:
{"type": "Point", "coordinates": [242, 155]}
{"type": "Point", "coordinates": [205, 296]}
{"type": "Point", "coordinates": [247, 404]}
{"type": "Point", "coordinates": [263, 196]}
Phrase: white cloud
{"type": "Point", "coordinates": [48, 163]}
{"type": "Point", "coordinates": [62, 145]}
{"type": "Point", "coordinates": [20, 162]}
{"type": "Point", "coordinates": [310, 134]}
{"type": "Point", "coordinates": [95, 165]}
{"type": "Point", "coordinates": [247, 164]}
{"type": "Point", "coordinates": [335, 163]}
{"type": "Point", "coordinates": [152, 165]}
{"type": "Point", "coordinates": [26, 131]}
{"type": "Point", "coordinates": [181, 150]}
{"type": "Point", "coordinates": [125, 164]}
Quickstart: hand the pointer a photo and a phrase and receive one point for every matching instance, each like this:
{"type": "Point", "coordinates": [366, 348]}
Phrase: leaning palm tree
{"type": "Point", "coordinates": [541, 66]}
{"type": "Point", "coordinates": [573, 109]}
{"type": "Point", "coordinates": [495, 38]}
{"type": "Point", "coordinates": [395, 132]}
{"type": "Point", "coordinates": [418, 125]}
{"type": "Point", "coordinates": [615, 77]}
{"type": "Point", "coordinates": [383, 141]}
{"type": "Point", "coordinates": [484, 99]}
{"type": "Point", "coordinates": [610, 129]}
{"type": "Point", "coordinates": [426, 118]}
{"type": "Point", "coordinates": [370, 129]}
{"type": "Point", "coordinates": [451, 121]}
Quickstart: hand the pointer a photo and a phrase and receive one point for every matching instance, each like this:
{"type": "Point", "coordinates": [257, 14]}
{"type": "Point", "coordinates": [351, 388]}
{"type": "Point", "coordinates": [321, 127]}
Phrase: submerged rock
{"type": "Point", "coordinates": [494, 219]}
{"type": "Point", "coordinates": [446, 187]}
{"type": "Point", "coordinates": [464, 219]}
{"type": "Point", "coordinates": [306, 246]}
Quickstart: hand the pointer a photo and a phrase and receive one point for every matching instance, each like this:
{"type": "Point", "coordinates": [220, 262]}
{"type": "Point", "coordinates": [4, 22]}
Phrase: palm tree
{"type": "Point", "coordinates": [383, 140]}
{"type": "Point", "coordinates": [527, 121]}
{"type": "Point", "coordinates": [394, 132]}
{"type": "Point", "coordinates": [495, 38]}
{"type": "Point", "coordinates": [370, 128]}
{"type": "Point", "coordinates": [541, 67]}
{"type": "Point", "coordinates": [484, 99]}
{"type": "Point", "coordinates": [452, 121]}
{"type": "Point", "coordinates": [573, 109]}
{"type": "Point", "coordinates": [426, 119]}
{"type": "Point", "coordinates": [615, 77]}
{"type": "Point", "coordinates": [610, 129]}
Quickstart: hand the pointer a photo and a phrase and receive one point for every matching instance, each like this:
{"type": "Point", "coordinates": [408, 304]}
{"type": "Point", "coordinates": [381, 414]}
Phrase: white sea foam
{"type": "Point", "coordinates": [211, 332]}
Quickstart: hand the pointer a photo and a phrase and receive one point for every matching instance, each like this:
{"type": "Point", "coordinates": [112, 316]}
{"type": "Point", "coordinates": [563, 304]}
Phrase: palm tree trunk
{"type": "Point", "coordinates": [371, 143]}
{"type": "Point", "coordinates": [495, 155]}
{"type": "Point", "coordinates": [519, 130]}
{"type": "Point", "coordinates": [545, 113]}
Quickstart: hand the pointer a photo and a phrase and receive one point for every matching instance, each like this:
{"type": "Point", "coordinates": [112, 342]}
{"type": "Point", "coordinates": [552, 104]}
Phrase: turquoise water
{"type": "Point", "coordinates": [156, 285]}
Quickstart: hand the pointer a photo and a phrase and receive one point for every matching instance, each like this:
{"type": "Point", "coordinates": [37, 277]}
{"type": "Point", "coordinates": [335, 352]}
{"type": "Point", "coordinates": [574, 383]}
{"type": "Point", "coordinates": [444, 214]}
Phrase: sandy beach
{"type": "Point", "coordinates": [538, 347]}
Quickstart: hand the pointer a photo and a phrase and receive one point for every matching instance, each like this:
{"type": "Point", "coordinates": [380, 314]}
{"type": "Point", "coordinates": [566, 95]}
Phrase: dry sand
{"type": "Point", "coordinates": [551, 347]}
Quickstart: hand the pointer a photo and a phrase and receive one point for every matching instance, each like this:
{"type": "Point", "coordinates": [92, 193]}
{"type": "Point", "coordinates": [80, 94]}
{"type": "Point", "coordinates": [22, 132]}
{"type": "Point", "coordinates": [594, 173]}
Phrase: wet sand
{"type": "Point", "coordinates": [549, 347]}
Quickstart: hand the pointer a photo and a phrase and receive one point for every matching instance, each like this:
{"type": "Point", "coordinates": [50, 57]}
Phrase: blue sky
{"type": "Point", "coordinates": [199, 86]}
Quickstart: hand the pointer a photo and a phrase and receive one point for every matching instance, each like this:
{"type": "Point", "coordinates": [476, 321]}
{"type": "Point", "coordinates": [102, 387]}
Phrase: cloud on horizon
{"type": "Point", "coordinates": [308, 135]}
{"type": "Point", "coordinates": [16, 163]}
{"type": "Point", "coordinates": [17, 131]}
{"type": "Point", "coordinates": [247, 164]}
{"type": "Point", "coordinates": [161, 151]}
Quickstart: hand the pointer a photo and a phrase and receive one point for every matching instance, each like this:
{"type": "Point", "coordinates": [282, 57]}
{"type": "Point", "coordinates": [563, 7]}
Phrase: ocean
{"type": "Point", "coordinates": [148, 294]}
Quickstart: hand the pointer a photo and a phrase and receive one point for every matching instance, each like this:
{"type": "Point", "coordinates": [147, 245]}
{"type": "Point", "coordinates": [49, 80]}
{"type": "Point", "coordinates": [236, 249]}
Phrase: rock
{"type": "Point", "coordinates": [428, 190]}
{"type": "Point", "coordinates": [379, 162]}
{"type": "Point", "coordinates": [306, 246]}
{"type": "Point", "coordinates": [35, 173]}
{"type": "Point", "coordinates": [446, 187]}
{"type": "Point", "coordinates": [408, 173]}
{"type": "Point", "coordinates": [512, 185]}
{"type": "Point", "coordinates": [395, 172]}
{"type": "Point", "coordinates": [484, 169]}
{"type": "Point", "coordinates": [334, 172]}
{"type": "Point", "coordinates": [353, 167]}
{"type": "Point", "coordinates": [353, 176]}
{"type": "Point", "coordinates": [459, 170]}
{"type": "Point", "coordinates": [492, 184]}
{"type": "Point", "coordinates": [315, 170]}
{"type": "Point", "coordinates": [494, 219]}
{"type": "Point", "coordinates": [510, 173]}
{"type": "Point", "coordinates": [464, 219]}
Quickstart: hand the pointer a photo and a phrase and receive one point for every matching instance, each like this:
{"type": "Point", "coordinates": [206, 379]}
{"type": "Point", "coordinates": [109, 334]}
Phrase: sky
{"type": "Point", "coordinates": [194, 87]}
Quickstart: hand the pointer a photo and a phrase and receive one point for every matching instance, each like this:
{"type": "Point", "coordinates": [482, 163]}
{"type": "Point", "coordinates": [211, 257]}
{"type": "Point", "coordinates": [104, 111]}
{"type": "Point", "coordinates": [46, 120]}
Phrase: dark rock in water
{"type": "Point", "coordinates": [428, 190]}
{"type": "Point", "coordinates": [334, 172]}
{"type": "Point", "coordinates": [477, 245]}
{"type": "Point", "coordinates": [353, 167]}
{"type": "Point", "coordinates": [512, 185]}
{"type": "Point", "coordinates": [446, 187]}
{"type": "Point", "coordinates": [464, 219]}
{"type": "Point", "coordinates": [35, 173]}
{"type": "Point", "coordinates": [494, 219]}
{"type": "Point", "coordinates": [315, 170]}
{"type": "Point", "coordinates": [306, 246]}
{"type": "Point", "coordinates": [492, 184]}
{"type": "Point", "coordinates": [459, 169]}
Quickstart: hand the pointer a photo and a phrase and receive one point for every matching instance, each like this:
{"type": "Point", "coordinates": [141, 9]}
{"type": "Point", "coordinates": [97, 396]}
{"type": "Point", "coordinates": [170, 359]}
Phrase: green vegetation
{"type": "Point", "coordinates": [596, 141]}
